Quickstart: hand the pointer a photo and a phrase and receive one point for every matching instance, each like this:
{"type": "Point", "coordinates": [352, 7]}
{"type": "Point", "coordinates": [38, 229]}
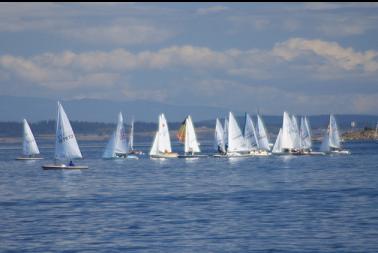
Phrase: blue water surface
{"type": "Point", "coordinates": [258, 204]}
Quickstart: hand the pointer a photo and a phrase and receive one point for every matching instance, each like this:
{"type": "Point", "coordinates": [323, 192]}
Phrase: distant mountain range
{"type": "Point", "coordinates": [97, 110]}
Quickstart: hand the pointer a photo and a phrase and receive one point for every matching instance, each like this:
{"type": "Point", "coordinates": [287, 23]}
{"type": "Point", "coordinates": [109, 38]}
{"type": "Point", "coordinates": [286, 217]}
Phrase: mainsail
{"type": "Point", "coordinates": [65, 144]}
{"type": "Point", "coordinates": [262, 134]}
{"type": "Point", "coordinates": [225, 133]}
{"type": "Point", "coordinates": [250, 135]}
{"type": "Point", "coordinates": [287, 141]}
{"type": "Point", "coordinates": [331, 138]}
{"type": "Point", "coordinates": [236, 142]}
{"type": "Point", "coordinates": [164, 141]}
{"type": "Point", "coordinates": [191, 143]}
{"type": "Point", "coordinates": [29, 146]}
{"type": "Point", "coordinates": [219, 137]}
{"type": "Point", "coordinates": [294, 130]}
{"type": "Point", "coordinates": [131, 136]}
{"type": "Point", "coordinates": [305, 134]}
{"type": "Point", "coordinates": [117, 143]}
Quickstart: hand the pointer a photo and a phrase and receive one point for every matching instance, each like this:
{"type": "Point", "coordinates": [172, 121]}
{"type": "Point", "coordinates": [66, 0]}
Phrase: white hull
{"type": "Point", "coordinates": [166, 155]}
{"type": "Point", "coordinates": [28, 158]}
{"type": "Point", "coordinates": [63, 167]}
{"type": "Point", "coordinates": [340, 152]}
{"type": "Point", "coordinates": [134, 157]}
{"type": "Point", "coordinates": [192, 156]}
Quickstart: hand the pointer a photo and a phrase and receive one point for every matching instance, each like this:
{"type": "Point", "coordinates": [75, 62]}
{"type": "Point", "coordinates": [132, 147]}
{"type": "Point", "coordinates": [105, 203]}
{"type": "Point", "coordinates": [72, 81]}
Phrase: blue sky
{"type": "Point", "coordinates": [308, 58]}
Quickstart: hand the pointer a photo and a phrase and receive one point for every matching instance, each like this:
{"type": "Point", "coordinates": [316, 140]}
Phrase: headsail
{"type": "Point", "coordinates": [154, 149]}
{"type": "Point", "coordinates": [262, 134]}
{"type": "Point", "coordinates": [65, 144]}
{"type": "Point", "coordinates": [118, 143]}
{"type": "Point", "coordinates": [225, 133]}
{"type": "Point", "coordinates": [29, 146]}
{"type": "Point", "coordinates": [294, 130]}
{"type": "Point", "coordinates": [219, 137]}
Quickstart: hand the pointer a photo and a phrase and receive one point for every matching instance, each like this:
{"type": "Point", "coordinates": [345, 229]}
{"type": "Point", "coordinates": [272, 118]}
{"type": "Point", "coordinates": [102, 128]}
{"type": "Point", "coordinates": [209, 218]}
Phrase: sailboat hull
{"type": "Point", "coordinates": [28, 158]}
{"type": "Point", "coordinates": [165, 155]}
{"type": "Point", "coordinates": [192, 156]}
{"type": "Point", "coordinates": [63, 167]}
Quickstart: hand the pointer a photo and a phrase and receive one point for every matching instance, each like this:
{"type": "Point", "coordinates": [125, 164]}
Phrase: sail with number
{"type": "Point", "coordinates": [219, 137]}
{"type": "Point", "coordinates": [29, 145]}
{"type": "Point", "coordinates": [250, 135]}
{"type": "Point", "coordinates": [65, 144]}
{"type": "Point", "coordinates": [262, 134]}
{"type": "Point", "coordinates": [236, 142]}
{"type": "Point", "coordinates": [117, 144]}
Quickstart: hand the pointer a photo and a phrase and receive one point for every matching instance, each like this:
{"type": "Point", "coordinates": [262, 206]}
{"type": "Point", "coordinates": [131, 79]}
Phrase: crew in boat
{"type": "Point", "coordinates": [71, 163]}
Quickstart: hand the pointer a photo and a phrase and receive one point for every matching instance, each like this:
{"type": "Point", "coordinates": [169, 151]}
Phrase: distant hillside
{"type": "Point", "coordinates": [273, 123]}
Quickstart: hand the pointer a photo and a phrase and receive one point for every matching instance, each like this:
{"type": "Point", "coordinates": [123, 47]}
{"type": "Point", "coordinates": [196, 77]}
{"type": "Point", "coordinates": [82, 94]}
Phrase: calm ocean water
{"type": "Point", "coordinates": [261, 204]}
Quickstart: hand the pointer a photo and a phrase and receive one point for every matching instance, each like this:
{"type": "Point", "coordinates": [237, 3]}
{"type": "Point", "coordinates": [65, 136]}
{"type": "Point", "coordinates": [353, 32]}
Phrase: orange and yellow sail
{"type": "Point", "coordinates": [181, 132]}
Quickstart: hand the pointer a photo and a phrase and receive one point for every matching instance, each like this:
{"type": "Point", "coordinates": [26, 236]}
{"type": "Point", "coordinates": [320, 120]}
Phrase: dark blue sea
{"type": "Point", "coordinates": [258, 204]}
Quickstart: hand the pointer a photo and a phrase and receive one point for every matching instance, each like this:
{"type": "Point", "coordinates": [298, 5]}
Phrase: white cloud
{"type": "Point", "coordinates": [212, 9]}
{"type": "Point", "coordinates": [344, 58]}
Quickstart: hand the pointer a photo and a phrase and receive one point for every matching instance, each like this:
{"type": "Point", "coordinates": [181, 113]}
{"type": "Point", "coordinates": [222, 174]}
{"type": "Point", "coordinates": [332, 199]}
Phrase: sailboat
{"type": "Point", "coordinates": [331, 141]}
{"type": "Point", "coordinates": [116, 147]}
{"type": "Point", "coordinates": [286, 142]}
{"type": "Point", "coordinates": [254, 145]}
{"type": "Point", "coordinates": [262, 137]}
{"type": "Point", "coordinates": [219, 140]}
{"type": "Point", "coordinates": [187, 135]}
{"type": "Point", "coordinates": [29, 145]}
{"type": "Point", "coordinates": [66, 147]}
{"type": "Point", "coordinates": [236, 142]}
{"type": "Point", "coordinates": [161, 147]}
{"type": "Point", "coordinates": [132, 151]}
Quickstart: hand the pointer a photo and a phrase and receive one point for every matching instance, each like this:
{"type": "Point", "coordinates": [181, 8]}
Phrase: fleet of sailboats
{"type": "Point", "coordinates": [229, 140]}
{"type": "Point", "coordinates": [66, 147]}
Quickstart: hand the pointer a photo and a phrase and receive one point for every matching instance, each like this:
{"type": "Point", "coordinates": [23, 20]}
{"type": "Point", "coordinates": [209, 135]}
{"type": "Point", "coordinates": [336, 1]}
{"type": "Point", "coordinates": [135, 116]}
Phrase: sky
{"type": "Point", "coordinates": [307, 58]}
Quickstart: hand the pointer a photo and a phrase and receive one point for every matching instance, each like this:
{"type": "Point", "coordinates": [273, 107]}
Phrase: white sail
{"type": "Point", "coordinates": [324, 147]}
{"type": "Point", "coordinates": [334, 136]}
{"type": "Point", "coordinates": [29, 146]}
{"type": "Point", "coordinates": [191, 143]}
{"type": "Point", "coordinates": [305, 134]}
{"type": "Point", "coordinates": [131, 136]}
{"type": "Point", "coordinates": [262, 134]}
{"type": "Point", "coordinates": [277, 148]}
{"type": "Point", "coordinates": [117, 143]}
{"type": "Point", "coordinates": [154, 149]}
{"type": "Point", "coordinates": [65, 144]}
{"type": "Point", "coordinates": [219, 137]}
{"type": "Point", "coordinates": [164, 141]}
{"type": "Point", "coordinates": [236, 142]}
{"type": "Point", "coordinates": [250, 136]}
{"type": "Point", "coordinates": [225, 133]}
{"type": "Point", "coordinates": [294, 130]}
{"type": "Point", "coordinates": [286, 138]}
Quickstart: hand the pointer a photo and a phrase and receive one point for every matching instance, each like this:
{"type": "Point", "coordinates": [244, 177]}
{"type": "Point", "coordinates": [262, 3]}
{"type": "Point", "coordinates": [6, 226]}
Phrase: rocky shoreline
{"type": "Point", "coordinates": [360, 135]}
